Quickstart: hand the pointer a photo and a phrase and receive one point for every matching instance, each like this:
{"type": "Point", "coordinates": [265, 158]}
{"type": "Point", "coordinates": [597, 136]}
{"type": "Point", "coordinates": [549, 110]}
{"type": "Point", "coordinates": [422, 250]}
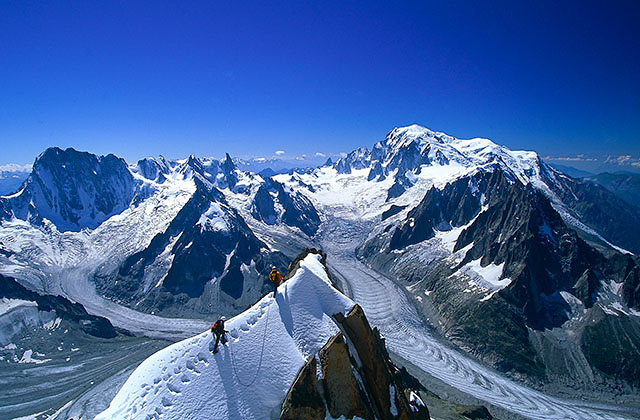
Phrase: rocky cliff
{"type": "Point", "coordinates": [357, 379]}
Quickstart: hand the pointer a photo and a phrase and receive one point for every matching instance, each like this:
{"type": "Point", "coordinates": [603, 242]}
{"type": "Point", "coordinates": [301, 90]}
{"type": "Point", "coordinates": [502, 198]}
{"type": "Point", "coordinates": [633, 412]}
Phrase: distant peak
{"type": "Point", "coordinates": [227, 163]}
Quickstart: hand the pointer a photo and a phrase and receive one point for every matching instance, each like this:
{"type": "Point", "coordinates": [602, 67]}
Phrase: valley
{"type": "Point", "coordinates": [426, 232]}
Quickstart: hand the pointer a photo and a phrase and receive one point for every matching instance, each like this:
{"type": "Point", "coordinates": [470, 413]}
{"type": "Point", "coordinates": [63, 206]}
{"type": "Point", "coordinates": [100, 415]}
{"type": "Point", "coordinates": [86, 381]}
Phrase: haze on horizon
{"type": "Point", "coordinates": [138, 78]}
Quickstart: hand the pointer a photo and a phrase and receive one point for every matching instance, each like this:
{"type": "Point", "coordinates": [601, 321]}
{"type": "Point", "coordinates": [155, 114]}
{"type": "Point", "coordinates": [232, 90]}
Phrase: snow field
{"type": "Point", "coordinates": [249, 377]}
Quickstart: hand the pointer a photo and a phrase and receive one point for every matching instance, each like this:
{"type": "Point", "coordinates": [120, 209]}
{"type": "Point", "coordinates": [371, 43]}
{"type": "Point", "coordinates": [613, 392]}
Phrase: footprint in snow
{"type": "Point", "coordinates": [185, 379]}
{"type": "Point", "coordinates": [176, 370]}
{"type": "Point", "coordinates": [192, 367]}
{"type": "Point", "coordinates": [173, 388]}
{"type": "Point", "coordinates": [202, 357]}
{"type": "Point", "coordinates": [166, 402]}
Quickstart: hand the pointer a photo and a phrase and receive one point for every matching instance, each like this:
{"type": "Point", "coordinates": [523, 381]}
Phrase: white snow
{"type": "Point", "coordinates": [53, 324]}
{"type": "Point", "coordinates": [487, 278]}
{"type": "Point", "coordinates": [18, 315]}
{"type": "Point", "coordinates": [27, 357]}
{"type": "Point", "coordinates": [249, 377]}
{"type": "Point", "coordinates": [7, 304]}
{"type": "Point", "coordinates": [214, 219]}
{"type": "Point", "coordinates": [392, 400]}
{"type": "Point", "coordinates": [415, 401]}
{"type": "Point", "coordinates": [387, 307]}
{"type": "Point", "coordinates": [63, 262]}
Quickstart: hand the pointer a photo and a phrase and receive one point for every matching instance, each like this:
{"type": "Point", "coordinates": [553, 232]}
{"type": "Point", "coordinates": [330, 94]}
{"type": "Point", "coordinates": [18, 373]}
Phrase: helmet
{"type": "Point", "coordinates": [273, 268]}
{"type": "Point", "coordinates": [223, 318]}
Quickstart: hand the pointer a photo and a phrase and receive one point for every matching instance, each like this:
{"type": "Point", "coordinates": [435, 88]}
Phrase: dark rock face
{"type": "Point", "coordinates": [586, 288]}
{"type": "Point", "coordinates": [625, 269]}
{"type": "Point", "coordinates": [400, 185]}
{"type": "Point", "coordinates": [392, 211]}
{"type": "Point", "coordinates": [541, 254]}
{"type": "Point", "coordinates": [73, 312]}
{"type": "Point", "coordinates": [343, 394]}
{"type": "Point", "coordinates": [303, 401]}
{"type": "Point", "coordinates": [376, 370]}
{"type": "Point", "coordinates": [74, 190]}
{"type": "Point", "coordinates": [228, 169]}
{"type": "Point", "coordinates": [358, 377]}
{"type": "Point", "coordinates": [207, 239]}
{"type": "Point", "coordinates": [298, 211]}
{"type": "Point", "coordinates": [377, 172]}
{"type": "Point", "coordinates": [341, 391]}
{"type": "Point", "coordinates": [154, 169]}
{"type": "Point", "coordinates": [476, 413]}
{"type": "Point", "coordinates": [625, 186]}
{"type": "Point", "coordinates": [358, 159]}
{"type": "Point", "coordinates": [453, 206]}
{"type": "Point", "coordinates": [599, 208]}
{"type": "Point", "coordinates": [610, 343]}
{"type": "Point", "coordinates": [515, 226]}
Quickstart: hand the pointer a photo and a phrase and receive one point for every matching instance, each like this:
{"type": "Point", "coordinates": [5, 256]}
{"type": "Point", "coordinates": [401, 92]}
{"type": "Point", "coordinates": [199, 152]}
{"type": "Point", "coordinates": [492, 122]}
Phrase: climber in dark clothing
{"type": "Point", "coordinates": [219, 331]}
{"type": "Point", "coordinates": [275, 278]}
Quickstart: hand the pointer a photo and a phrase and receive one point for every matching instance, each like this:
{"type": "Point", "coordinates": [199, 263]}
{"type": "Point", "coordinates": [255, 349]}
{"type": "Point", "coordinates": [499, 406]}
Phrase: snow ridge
{"type": "Point", "coordinates": [268, 344]}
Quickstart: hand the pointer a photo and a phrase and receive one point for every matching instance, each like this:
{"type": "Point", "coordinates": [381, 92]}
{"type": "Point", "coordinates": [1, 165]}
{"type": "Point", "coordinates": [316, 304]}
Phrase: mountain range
{"type": "Point", "coordinates": [510, 261]}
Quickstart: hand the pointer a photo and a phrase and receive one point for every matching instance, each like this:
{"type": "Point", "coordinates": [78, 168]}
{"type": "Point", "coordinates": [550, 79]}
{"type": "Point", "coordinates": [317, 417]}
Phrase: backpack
{"type": "Point", "coordinates": [218, 326]}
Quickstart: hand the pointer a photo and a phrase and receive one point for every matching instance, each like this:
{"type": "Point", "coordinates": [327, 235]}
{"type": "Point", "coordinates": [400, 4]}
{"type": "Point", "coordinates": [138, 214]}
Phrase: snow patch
{"type": "Point", "coordinates": [392, 400]}
{"type": "Point", "coordinates": [27, 357]}
{"type": "Point", "coordinates": [488, 277]}
{"type": "Point", "coordinates": [7, 304]}
{"type": "Point", "coordinates": [214, 219]}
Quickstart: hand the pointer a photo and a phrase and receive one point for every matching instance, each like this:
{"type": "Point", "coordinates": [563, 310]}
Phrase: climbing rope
{"type": "Point", "coordinates": [142, 410]}
{"type": "Point", "coordinates": [233, 360]}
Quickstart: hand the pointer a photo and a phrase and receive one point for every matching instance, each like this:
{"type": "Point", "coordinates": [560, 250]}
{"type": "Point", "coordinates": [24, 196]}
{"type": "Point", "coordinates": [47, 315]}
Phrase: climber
{"type": "Point", "coordinates": [219, 331]}
{"type": "Point", "coordinates": [275, 278]}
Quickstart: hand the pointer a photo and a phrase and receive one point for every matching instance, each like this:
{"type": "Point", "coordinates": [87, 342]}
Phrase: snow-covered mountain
{"type": "Point", "coordinates": [267, 361]}
{"type": "Point", "coordinates": [73, 190]}
{"type": "Point", "coordinates": [511, 261]}
{"type": "Point", "coordinates": [497, 243]}
{"type": "Point", "coordinates": [165, 215]}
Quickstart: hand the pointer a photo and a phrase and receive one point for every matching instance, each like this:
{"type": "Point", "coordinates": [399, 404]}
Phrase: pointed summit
{"type": "Point", "coordinates": [227, 164]}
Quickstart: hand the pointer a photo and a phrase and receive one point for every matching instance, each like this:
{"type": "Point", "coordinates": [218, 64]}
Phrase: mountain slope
{"type": "Point", "coordinates": [624, 185]}
{"type": "Point", "coordinates": [249, 377]}
{"type": "Point", "coordinates": [40, 309]}
{"type": "Point", "coordinates": [74, 190]}
{"type": "Point", "coordinates": [515, 269]}
{"type": "Point", "coordinates": [492, 243]}
{"type": "Point", "coordinates": [268, 368]}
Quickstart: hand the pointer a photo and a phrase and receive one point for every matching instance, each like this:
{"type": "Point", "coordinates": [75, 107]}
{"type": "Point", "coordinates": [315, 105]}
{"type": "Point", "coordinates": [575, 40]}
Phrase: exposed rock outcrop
{"type": "Point", "coordinates": [549, 273]}
{"type": "Point", "coordinates": [72, 189]}
{"type": "Point", "coordinates": [358, 379]}
{"type": "Point", "coordinates": [340, 386]}
{"type": "Point", "coordinates": [304, 400]}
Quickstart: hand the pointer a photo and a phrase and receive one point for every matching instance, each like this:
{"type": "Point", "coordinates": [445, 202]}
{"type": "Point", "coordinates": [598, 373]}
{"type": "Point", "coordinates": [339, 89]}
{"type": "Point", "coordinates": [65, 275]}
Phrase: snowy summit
{"type": "Point", "coordinates": [250, 375]}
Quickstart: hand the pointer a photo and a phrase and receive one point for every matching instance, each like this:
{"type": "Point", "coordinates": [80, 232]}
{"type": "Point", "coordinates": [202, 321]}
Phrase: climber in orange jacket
{"type": "Point", "coordinates": [218, 330]}
{"type": "Point", "coordinates": [275, 278]}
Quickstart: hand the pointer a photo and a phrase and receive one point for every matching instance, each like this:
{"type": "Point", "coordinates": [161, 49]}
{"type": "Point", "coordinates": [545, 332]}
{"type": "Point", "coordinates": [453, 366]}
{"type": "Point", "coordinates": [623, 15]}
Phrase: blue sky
{"type": "Point", "coordinates": [249, 78]}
